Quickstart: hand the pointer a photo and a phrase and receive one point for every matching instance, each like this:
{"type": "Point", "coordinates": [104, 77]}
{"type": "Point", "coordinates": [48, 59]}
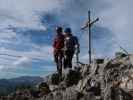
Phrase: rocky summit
{"type": "Point", "coordinates": [104, 79]}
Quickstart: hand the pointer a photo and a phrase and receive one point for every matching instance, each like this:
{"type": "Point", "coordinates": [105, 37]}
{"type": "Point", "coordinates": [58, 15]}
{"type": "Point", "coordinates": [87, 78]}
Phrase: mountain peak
{"type": "Point", "coordinates": [110, 79]}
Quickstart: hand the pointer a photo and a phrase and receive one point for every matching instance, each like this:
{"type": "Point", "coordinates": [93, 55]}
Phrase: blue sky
{"type": "Point", "coordinates": [27, 30]}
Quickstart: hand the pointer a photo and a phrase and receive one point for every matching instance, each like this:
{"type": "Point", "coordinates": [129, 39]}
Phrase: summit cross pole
{"type": "Point", "coordinates": [89, 32]}
{"type": "Point", "coordinates": [89, 25]}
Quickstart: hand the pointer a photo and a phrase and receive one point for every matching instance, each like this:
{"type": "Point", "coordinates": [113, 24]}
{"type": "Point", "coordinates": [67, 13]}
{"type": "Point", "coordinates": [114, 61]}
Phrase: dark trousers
{"type": "Point", "coordinates": [68, 58]}
{"type": "Point", "coordinates": [58, 57]}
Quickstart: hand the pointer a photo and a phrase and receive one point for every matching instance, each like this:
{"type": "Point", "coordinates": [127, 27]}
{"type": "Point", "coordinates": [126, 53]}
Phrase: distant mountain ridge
{"type": "Point", "coordinates": [9, 85]}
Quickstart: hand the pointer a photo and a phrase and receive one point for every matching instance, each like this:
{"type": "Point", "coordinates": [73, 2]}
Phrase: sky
{"type": "Point", "coordinates": [27, 29]}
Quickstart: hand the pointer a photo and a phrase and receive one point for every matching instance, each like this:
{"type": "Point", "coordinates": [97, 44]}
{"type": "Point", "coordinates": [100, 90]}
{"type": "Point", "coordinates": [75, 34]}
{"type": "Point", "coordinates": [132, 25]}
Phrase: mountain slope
{"type": "Point", "coordinates": [9, 85]}
{"type": "Point", "coordinates": [104, 79]}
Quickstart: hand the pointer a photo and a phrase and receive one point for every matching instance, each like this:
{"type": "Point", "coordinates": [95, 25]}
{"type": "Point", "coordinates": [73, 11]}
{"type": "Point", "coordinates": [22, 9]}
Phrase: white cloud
{"type": "Point", "coordinates": [25, 13]}
{"type": "Point", "coordinates": [114, 15]}
{"type": "Point", "coordinates": [118, 18]}
{"type": "Point", "coordinates": [22, 60]}
{"type": "Point", "coordinates": [17, 59]}
{"type": "Point", "coordinates": [1, 67]}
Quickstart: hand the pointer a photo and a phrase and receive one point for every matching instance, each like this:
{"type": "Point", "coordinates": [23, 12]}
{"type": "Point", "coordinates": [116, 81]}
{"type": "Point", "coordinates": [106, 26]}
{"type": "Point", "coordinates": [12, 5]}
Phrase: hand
{"type": "Point", "coordinates": [77, 51]}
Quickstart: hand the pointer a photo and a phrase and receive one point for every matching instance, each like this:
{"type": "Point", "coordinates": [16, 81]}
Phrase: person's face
{"type": "Point", "coordinates": [59, 34]}
{"type": "Point", "coordinates": [64, 33]}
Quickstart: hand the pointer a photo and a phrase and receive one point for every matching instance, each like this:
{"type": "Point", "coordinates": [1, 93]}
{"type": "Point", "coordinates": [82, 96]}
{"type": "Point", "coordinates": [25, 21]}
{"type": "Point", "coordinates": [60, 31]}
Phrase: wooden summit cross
{"type": "Point", "coordinates": [89, 24]}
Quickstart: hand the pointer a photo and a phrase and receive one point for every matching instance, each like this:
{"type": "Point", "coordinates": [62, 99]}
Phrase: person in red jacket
{"type": "Point", "coordinates": [58, 46]}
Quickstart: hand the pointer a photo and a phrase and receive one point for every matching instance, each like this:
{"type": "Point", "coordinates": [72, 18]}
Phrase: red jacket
{"type": "Point", "coordinates": [58, 44]}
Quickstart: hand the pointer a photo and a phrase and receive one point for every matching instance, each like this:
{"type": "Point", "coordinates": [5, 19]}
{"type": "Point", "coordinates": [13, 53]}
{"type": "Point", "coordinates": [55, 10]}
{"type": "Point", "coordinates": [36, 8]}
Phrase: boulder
{"type": "Point", "coordinates": [55, 79]}
{"type": "Point", "coordinates": [120, 55]}
{"type": "Point", "coordinates": [72, 77]}
{"type": "Point", "coordinates": [99, 61]}
{"type": "Point", "coordinates": [44, 88]}
{"type": "Point", "coordinates": [88, 96]}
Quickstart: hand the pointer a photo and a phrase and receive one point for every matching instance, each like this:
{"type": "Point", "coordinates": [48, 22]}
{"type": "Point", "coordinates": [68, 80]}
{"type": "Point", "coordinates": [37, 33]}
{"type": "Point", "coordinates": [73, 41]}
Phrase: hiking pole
{"type": "Point", "coordinates": [77, 59]}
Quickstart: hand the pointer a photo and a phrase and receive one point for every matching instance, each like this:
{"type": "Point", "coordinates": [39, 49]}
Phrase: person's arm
{"type": "Point", "coordinates": [54, 43]}
{"type": "Point", "coordinates": [77, 45]}
{"type": "Point", "coordinates": [77, 49]}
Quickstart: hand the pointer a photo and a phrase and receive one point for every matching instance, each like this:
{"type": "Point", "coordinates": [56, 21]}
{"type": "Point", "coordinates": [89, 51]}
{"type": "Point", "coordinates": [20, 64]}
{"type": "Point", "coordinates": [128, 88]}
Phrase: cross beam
{"type": "Point", "coordinates": [89, 24]}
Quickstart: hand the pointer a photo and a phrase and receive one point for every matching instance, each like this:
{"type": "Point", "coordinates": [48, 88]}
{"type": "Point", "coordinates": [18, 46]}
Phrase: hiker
{"type": "Point", "coordinates": [71, 46]}
{"type": "Point", "coordinates": [58, 46]}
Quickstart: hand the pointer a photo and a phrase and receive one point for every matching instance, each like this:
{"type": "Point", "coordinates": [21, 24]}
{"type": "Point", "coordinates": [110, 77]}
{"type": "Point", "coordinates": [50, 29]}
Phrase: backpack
{"type": "Point", "coordinates": [70, 42]}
